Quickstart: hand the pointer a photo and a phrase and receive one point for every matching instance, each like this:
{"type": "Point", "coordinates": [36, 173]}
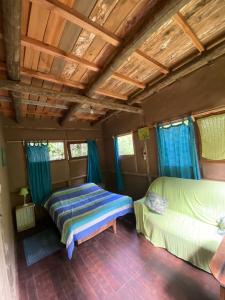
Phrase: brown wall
{"type": "Point", "coordinates": [8, 282]}
{"type": "Point", "coordinates": [201, 90]}
{"type": "Point", "coordinates": [135, 168]}
{"type": "Point", "coordinates": [64, 172]}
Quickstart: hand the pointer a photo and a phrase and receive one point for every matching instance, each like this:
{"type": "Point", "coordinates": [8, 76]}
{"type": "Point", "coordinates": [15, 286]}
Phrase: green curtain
{"type": "Point", "coordinates": [39, 174]}
{"type": "Point", "coordinates": [94, 170]}
{"type": "Point", "coordinates": [212, 132]}
{"type": "Point", "coordinates": [119, 175]}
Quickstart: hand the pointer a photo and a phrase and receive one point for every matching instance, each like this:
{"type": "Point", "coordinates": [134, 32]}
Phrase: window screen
{"type": "Point", "coordinates": [56, 150]}
{"type": "Point", "coordinates": [212, 132]}
{"type": "Point", "coordinates": [78, 150]}
{"type": "Point", "coordinates": [126, 146]}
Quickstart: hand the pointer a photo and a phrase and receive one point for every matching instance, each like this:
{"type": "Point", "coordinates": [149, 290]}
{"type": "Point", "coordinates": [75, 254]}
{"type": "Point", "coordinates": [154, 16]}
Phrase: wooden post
{"type": "Point", "coordinates": [11, 14]}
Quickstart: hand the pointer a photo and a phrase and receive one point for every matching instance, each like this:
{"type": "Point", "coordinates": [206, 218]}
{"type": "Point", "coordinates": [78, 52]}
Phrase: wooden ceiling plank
{"type": "Point", "coordinates": [128, 80]}
{"type": "Point", "coordinates": [141, 55]}
{"type": "Point", "coordinates": [158, 15]}
{"type": "Point", "coordinates": [68, 97]}
{"type": "Point", "coordinates": [11, 14]}
{"type": "Point", "coordinates": [75, 17]}
{"type": "Point", "coordinates": [42, 47]}
{"type": "Point", "coordinates": [51, 78]}
{"type": "Point", "coordinates": [180, 21]}
{"type": "Point", "coordinates": [104, 92]}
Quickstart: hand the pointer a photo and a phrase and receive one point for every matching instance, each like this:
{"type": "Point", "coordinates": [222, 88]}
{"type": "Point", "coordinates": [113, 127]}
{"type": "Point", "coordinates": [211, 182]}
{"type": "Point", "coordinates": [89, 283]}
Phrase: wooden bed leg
{"type": "Point", "coordinates": [114, 227]}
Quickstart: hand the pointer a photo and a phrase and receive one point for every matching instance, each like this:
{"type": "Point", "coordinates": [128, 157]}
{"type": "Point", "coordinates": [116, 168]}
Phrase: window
{"type": "Point", "coordinates": [56, 150]}
{"type": "Point", "coordinates": [212, 131]}
{"type": "Point", "coordinates": [125, 143]}
{"type": "Point", "coordinates": [77, 150]}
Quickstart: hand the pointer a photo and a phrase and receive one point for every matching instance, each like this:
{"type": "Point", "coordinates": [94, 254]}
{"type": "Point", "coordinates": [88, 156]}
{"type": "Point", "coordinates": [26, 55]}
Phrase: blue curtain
{"type": "Point", "coordinates": [177, 151]}
{"type": "Point", "coordinates": [119, 176]}
{"type": "Point", "coordinates": [94, 170]}
{"type": "Point", "coordinates": [39, 174]}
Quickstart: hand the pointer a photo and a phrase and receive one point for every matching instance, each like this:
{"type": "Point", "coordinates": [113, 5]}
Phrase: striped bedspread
{"type": "Point", "coordinates": [80, 211]}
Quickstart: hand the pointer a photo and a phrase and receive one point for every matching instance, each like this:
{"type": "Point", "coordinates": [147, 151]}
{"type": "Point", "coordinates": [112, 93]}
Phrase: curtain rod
{"type": "Point", "coordinates": [49, 140]}
{"type": "Point", "coordinates": [194, 115]}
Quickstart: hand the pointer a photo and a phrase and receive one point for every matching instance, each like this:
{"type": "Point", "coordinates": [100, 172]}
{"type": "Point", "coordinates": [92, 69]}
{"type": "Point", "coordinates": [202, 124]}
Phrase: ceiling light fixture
{"type": "Point", "coordinates": [91, 110]}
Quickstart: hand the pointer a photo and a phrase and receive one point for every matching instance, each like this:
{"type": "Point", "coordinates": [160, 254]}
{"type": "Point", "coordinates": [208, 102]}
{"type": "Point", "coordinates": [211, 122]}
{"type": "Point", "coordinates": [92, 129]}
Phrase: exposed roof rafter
{"type": "Point", "coordinates": [52, 78]}
{"type": "Point", "coordinates": [158, 15]}
{"type": "Point", "coordinates": [141, 55]}
{"type": "Point", "coordinates": [75, 17]}
{"type": "Point", "coordinates": [45, 48]}
{"type": "Point", "coordinates": [180, 21]}
{"type": "Point", "coordinates": [128, 80]}
{"type": "Point", "coordinates": [103, 92]}
{"type": "Point", "coordinates": [214, 52]}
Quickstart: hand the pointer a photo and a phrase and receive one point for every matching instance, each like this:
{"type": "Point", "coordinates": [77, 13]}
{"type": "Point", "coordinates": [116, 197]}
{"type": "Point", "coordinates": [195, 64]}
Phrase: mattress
{"type": "Point", "coordinates": [80, 211]}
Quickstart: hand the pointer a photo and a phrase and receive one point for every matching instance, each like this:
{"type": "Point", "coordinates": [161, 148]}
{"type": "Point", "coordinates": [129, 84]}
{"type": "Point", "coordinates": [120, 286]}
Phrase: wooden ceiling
{"type": "Point", "coordinates": [84, 59]}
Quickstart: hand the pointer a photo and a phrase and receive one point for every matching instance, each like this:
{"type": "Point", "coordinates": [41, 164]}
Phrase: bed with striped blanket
{"type": "Point", "coordinates": [80, 211]}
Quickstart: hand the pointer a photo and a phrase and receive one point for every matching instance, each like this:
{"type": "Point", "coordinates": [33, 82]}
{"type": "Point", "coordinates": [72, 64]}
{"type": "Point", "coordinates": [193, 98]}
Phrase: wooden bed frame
{"type": "Point", "coordinates": [103, 228]}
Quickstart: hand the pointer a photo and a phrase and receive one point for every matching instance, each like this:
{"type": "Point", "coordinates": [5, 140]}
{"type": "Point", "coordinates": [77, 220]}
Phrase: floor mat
{"type": "Point", "coordinates": [41, 245]}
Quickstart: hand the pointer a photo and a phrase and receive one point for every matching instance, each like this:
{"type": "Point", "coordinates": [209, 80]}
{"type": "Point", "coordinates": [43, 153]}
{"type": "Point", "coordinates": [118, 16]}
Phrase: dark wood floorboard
{"type": "Point", "coordinates": [121, 266]}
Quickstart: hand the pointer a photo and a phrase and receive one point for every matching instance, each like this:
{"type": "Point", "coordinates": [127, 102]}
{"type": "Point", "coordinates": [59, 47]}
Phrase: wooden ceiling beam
{"type": "Point", "coordinates": [11, 15]}
{"type": "Point", "coordinates": [10, 85]}
{"type": "Point", "coordinates": [103, 92]}
{"type": "Point", "coordinates": [86, 117]}
{"type": "Point", "coordinates": [182, 23]}
{"type": "Point", "coordinates": [36, 103]}
{"type": "Point", "coordinates": [141, 55]}
{"type": "Point", "coordinates": [213, 52]}
{"type": "Point", "coordinates": [158, 15]}
{"type": "Point", "coordinates": [52, 78]}
{"type": "Point", "coordinates": [70, 113]}
{"type": "Point", "coordinates": [196, 63]}
{"type": "Point", "coordinates": [41, 114]}
{"type": "Point", "coordinates": [128, 80]}
{"type": "Point", "coordinates": [45, 48]}
{"type": "Point", "coordinates": [80, 20]}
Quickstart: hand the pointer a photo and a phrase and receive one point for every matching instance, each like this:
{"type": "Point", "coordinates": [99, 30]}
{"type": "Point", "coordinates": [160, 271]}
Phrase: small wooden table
{"type": "Point", "coordinates": [217, 267]}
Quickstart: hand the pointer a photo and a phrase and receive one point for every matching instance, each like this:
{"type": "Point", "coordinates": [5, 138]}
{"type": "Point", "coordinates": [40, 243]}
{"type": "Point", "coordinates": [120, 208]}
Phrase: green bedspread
{"type": "Point", "coordinates": [188, 228]}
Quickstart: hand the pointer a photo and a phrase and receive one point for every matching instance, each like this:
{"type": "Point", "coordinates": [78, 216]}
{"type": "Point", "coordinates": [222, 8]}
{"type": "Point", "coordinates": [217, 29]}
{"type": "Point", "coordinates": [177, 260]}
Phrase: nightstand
{"type": "Point", "coordinates": [25, 216]}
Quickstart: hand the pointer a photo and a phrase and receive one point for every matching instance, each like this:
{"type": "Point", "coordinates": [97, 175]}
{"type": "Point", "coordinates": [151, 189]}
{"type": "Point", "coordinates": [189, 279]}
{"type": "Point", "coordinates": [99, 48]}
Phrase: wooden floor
{"type": "Point", "coordinates": [123, 266]}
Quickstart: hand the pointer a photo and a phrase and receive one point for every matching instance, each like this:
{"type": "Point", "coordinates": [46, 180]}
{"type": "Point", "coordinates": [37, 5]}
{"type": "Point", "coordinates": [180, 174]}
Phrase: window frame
{"type": "Point", "coordinates": [127, 155]}
{"type": "Point", "coordinates": [64, 149]}
{"type": "Point", "coordinates": [69, 151]}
